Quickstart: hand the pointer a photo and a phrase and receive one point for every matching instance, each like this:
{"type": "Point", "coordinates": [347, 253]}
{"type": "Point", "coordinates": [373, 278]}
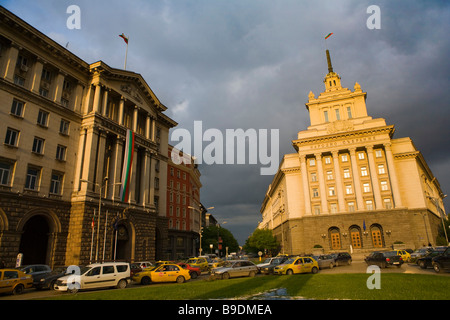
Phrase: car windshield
{"type": "Point", "coordinates": [277, 261]}
{"type": "Point", "coordinates": [289, 261]}
{"type": "Point", "coordinates": [268, 260]}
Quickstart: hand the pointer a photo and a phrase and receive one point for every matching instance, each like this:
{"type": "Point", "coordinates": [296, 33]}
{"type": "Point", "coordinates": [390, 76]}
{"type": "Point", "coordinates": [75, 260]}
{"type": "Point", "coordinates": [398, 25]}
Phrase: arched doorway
{"type": "Point", "coordinates": [355, 236]}
{"type": "Point", "coordinates": [122, 243]}
{"type": "Point", "coordinates": [34, 241]}
{"type": "Point", "coordinates": [377, 236]}
{"type": "Point", "coordinates": [335, 238]}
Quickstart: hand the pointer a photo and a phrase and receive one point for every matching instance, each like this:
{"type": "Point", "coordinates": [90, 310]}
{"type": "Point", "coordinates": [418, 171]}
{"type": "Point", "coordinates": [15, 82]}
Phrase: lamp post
{"type": "Point", "coordinates": [200, 229]}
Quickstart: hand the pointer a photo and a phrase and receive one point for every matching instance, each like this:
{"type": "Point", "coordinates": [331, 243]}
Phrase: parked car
{"type": "Point", "coordinates": [14, 281]}
{"type": "Point", "coordinates": [325, 261]}
{"type": "Point", "coordinates": [266, 262]}
{"type": "Point", "coordinates": [406, 256]}
{"type": "Point", "coordinates": [199, 262]}
{"type": "Point", "coordinates": [341, 258]}
{"type": "Point", "coordinates": [96, 275]}
{"type": "Point", "coordinates": [235, 268]}
{"type": "Point", "coordinates": [442, 262]}
{"type": "Point", "coordinates": [194, 272]}
{"type": "Point", "coordinates": [268, 268]}
{"type": "Point", "coordinates": [426, 261]}
{"type": "Point", "coordinates": [37, 271]}
{"type": "Point", "coordinates": [214, 263]}
{"type": "Point", "coordinates": [162, 273]}
{"type": "Point", "coordinates": [420, 253]}
{"type": "Point", "coordinates": [297, 265]}
{"type": "Point", "coordinates": [384, 259]}
{"type": "Point", "coordinates": [48, 281]}
{"type": "Point", "coordinates": [139, 266]}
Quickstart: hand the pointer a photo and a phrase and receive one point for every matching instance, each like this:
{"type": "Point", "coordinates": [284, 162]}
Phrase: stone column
{"type": "Point", "coordinates": [134, 126]}
{"type": "Point", "coordinates": [89, 159]}
{"type": "Point", "coordinates": [306, 195]}
{"type": "Point", "coordinates": [148, 127]}
{"type": "Point", "coordinates": [121, 110]}
{"type": "Point", "coordinates": [105, 102]}
{"type": "Point", "coordinates": [97, 93]}
{"type": "Point", "coordinates": [374, 177]}
{"type": "Point", "coordinates": [393, 175]}
{"type": "Point", "coordinates": [338, 179]}
{"type": "Point", "coordinates": [101, 159]}
{"type": "Point", "coordinates": [11, 61]}
{"type": "Point", "coordinates": [36, 76]}
{"type": "Point", "coordinates": [356, 180]}
{"type": "Point", "coordinates": [322, 185]}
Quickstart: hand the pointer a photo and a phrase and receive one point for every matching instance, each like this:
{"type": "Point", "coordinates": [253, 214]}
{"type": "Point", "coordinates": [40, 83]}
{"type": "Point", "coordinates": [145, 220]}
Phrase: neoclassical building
{"type": "Point", "coordinates": [63, 141]}
{"type": "Point", "coordinates": [351, 185]}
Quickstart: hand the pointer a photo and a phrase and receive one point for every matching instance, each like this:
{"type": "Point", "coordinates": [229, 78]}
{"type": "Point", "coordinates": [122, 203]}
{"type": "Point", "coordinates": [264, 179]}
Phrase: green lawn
{"type": "Point", "coordinates": [318, 286]}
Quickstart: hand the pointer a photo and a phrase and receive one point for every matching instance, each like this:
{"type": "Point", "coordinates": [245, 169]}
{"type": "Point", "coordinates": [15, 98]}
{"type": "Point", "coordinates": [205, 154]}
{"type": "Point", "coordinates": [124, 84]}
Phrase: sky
{"type": "Point", "coordinates": [250, 64]}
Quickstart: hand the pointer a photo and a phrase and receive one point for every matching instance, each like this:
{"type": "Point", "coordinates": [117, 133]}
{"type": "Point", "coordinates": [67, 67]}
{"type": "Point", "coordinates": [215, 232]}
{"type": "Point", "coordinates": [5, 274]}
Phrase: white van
{"type": "Point", "coordinates": [94, 276]}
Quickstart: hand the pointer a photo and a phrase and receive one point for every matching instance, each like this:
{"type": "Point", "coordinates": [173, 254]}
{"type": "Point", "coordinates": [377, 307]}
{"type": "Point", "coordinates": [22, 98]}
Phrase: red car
{"type": "Point", "coordinates": [193, 271]}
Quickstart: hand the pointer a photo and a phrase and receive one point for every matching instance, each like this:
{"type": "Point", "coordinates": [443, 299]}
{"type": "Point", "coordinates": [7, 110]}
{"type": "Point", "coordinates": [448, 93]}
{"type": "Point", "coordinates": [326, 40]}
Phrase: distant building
{"type": "Point", "coordinates": [183, 192]}
{"type": "Point", "coordinates": [63, 134]}
{"type": "Point", "coordinates": [351, 185]}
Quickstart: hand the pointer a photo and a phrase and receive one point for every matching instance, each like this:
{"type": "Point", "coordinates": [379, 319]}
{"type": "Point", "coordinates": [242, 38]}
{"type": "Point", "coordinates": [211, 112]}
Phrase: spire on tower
{"type": "Point", "coordinates": [330, 67]}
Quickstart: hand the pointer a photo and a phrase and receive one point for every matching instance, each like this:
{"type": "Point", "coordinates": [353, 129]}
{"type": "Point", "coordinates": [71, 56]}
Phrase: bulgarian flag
{"type": "Point", "coordinates": [328, 35]}
{"type": "Point", "coordinates": [124, 38]}
{"type": "Point", "coordinates": [126, 171]}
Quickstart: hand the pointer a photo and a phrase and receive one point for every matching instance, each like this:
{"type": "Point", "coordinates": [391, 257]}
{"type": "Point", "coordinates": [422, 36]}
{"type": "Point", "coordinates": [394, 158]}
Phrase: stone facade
{"type": "Point", "coordinates": [351, 186]}
{"type": "Point", "coordinates": [65, 125]}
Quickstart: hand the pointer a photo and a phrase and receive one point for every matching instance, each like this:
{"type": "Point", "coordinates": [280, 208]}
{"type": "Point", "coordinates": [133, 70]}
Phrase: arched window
{"type": "Point", "coordinates": [335, 238]}
{"type": "Point", "coordinates": [355, 236]}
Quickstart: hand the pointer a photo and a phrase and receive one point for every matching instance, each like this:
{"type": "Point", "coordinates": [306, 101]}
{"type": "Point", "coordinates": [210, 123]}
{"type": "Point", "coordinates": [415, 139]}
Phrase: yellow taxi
{"type": "Point", "coordinates": [199, 262]}
{"type": "Point", "coordinates": [297, 265]}
{"type": "Point", "coordinates": [406, 256]}
{"type": "Point", "coordinates": [215, 263]}
{"type": "Point", "coordinates": [14, 281]}
{"type": "Point", "coordinates": [162, 273]}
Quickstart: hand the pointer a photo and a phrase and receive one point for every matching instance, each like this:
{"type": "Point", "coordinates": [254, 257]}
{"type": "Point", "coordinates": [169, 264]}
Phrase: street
{"type": "Point", "coordinates": [357, 266]}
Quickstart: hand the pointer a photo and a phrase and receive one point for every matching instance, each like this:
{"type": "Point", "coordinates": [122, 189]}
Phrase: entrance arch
{"type": "Point", "coordinates": [123, 241]}
{"type": "Point", "coordinates": [34, 241]}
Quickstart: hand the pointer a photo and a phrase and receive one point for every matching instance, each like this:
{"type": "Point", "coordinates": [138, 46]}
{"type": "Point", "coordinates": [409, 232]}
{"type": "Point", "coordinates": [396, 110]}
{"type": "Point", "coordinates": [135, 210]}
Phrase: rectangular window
{"type": "Point", "coordinates": [42, 118]}
{"type": "Point", "coordinates": [378, 153]}
{"type": "Point", "coordinates": [387, 203]}
{"type": "Point", "coordinates": [364, 171]}
{"type": "Point", "coordinates": [38, 145]}
{"type": "Point", "coordinates": [361, 156]}
{"type": "Point", "coordinates": [381, 169]}
{"type": "Point", "coordinates": [32, 179]}
{"type": "Point", "coordinates": [348, 189]}
{"type": "Point", "coordinates": [64, 127]}
{"type": "Point", "coordinates": [338, 116]}
{"type": "Point", "coordinates": [12, 137]}
{"type": "Point", "coordinates": [46, 75]}
{"type": "Point", "coordinates": [315, 193]}
{"type": "Point", "coordinates": [312, 162]}
{"type": "Point", "coordinates": [327, 160]}
{"type": "Point", "coordinates": [384, 186]}
{"type": "Point", "coordinates": [346, 173]}
{"type": "Point", "coordinates": [344, 158]}
{"type": "Point", "coordinates": [61, 153]}
{"type": "Point", "coordinates": [331, 191]}
{"type": "Point", "coordinates": [5, 173]}
{"type": "Point", "coordinates": [329, 175]}
{"type": "Point", "coordinates": [351, 206]}
{"type": "Point", "coordinates": [333, 208]}
{"type": "Point", "coordinates": [55, 184]}
{"type": "Point", "coordinates": [17, 108]}
{"type": "Point", "coordinates": [369, 205]}
{"type": "Point", "coordinates": [366, 187]}
{"type": "Point", "coordinates": [313, 177]}
{"type": "Point", "coordinates": [316, 210]}
{"type": "Point", "coordinates": [325, 114]}
{"type": "Point", "coordinates": [19, 80]}
{"type": "Point", "coordinates": [349, 112]}
{"type": "Point", "coordinates": [43, 92]}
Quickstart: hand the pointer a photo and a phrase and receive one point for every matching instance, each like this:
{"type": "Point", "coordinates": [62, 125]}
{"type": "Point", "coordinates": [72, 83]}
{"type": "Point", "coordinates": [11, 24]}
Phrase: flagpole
{"type": "Point", "coordinates": [92, 239]}
{"type": "Point", "coordinates": [126, 56]}
{"type": "Point", "coordinates": [104, 237]}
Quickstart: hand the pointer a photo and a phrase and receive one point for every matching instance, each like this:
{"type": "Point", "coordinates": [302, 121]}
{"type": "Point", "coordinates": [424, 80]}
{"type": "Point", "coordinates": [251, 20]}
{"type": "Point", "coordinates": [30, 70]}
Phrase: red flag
{"type": "Point", "coordinates": [124, 38]}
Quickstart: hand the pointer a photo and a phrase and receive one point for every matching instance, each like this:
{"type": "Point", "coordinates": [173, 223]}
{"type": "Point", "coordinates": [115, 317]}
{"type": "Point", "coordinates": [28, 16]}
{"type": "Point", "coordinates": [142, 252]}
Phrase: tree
{"type": "Point", "coordinates": [262, 240]}
{"type": "Point", "coordinates": [211, 235]}
{"type": "Point", "coordinates": [441, 237]}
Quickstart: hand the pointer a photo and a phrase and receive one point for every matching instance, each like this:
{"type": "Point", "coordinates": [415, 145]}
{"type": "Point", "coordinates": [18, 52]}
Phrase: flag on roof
{"type": "Point", "coordinates": [126, 172]}
{"type": "Point", "coordinates": [328, 35]}
{"type": "Point", "coordinates": [124, 38]}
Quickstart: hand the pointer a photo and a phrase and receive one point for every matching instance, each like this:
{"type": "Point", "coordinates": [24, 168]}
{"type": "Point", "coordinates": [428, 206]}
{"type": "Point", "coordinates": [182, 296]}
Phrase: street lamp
{"type": "Point", "coordinates": [200, 230]}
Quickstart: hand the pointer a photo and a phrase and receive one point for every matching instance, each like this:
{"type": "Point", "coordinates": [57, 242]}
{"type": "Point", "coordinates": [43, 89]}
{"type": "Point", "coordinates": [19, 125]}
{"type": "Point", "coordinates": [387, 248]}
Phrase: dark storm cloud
{"type": "Point", "coordinates": [251, 64]}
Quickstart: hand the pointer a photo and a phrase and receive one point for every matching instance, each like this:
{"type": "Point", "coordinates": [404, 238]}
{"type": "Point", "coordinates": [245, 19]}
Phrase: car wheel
{"type": "Point", "coordinates": [53, 285]}
{"type": "Point", "coordinates": [437, 267]}
{"type": "Point", "coordinates": [422, 265]}
{"type": "Point", "coordinates": [331, 265]}
{"type": "Point", "coordinates": [180, 279]}
{"type": "Point", "coordinates": [122, 284]}
{"type": "Point", "coordinates": [349, 262]}
{"type": "Point", "coordinates": [251, 274]}
{"type": "Point", "coordinates": [146, 281]}
{"type": "Point", "coordinates": [18, 289]}
{"type": "Point", "coordinates": [194, 275]}
{"type": "Point", "coordinates": [314, 270]}
{"type": "Point", "coordinates": [289, 272]}
{"type": "Point", "coordinates": [226, 275]}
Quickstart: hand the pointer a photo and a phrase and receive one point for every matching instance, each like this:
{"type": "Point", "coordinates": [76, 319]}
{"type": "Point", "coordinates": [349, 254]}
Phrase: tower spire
{"type": "Point", "coordinates": [330, 67]}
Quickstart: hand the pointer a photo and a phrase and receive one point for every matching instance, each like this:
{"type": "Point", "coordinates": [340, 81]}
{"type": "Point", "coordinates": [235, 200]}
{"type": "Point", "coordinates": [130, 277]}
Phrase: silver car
{"type": "Point", "coordinates": [325, 261]}
{"type": "Point", "coordinates": [235, 268]}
